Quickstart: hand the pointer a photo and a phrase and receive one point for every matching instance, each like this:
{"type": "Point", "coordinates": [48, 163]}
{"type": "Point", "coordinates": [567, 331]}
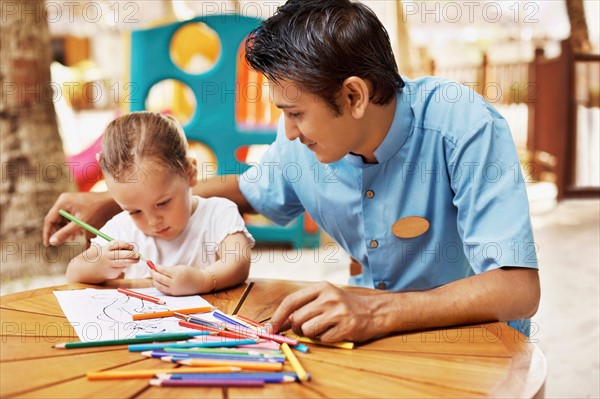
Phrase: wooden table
{"type": "Point", "coordinates": [474, 361]}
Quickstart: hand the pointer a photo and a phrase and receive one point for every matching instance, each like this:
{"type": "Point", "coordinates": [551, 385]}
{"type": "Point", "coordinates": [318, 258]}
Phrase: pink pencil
{"type": "Point", "coordinates": [262, 345]}
{"type": "Point", "coordinates": [139, 295]}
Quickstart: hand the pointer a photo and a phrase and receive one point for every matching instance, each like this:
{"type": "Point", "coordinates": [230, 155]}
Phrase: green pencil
{"type": "Point", "coordinates": [128, 341]}
{"type": "Point", "coordinates": [91, 228]}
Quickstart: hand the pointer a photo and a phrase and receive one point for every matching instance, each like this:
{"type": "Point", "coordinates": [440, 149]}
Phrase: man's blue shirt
{"type": "Point", "coordinates": [448, 157]}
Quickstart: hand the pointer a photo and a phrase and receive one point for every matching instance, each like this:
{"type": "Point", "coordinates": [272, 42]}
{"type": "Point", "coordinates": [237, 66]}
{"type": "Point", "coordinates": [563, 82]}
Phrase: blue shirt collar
{"type": "Point", "coordinates": [395, 137]}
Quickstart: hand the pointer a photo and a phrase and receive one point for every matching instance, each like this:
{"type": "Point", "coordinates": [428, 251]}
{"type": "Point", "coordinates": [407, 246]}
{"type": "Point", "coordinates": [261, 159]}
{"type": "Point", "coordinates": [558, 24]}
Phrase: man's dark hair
{"type": "Point", "coordinates": [319, 43]}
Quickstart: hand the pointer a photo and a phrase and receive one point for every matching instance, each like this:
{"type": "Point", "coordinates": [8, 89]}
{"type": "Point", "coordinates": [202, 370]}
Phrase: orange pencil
{"type": "Point", "coordinates": [139, 295]}
{"type": "Point", "coordinates": [244, 365]}
{"type": "Point", "coordinates": [168, 313]}
{"type": "Point", "coordinates": [127, 374]}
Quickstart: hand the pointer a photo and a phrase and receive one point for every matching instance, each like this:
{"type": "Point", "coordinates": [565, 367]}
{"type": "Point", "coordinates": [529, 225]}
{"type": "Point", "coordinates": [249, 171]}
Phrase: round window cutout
{"type": "Point", "coordinates": [206, 160]}
{"type": "Point", "coordinates": [174, 98]}
{"type": "Point", "coordinates": [195, 48]}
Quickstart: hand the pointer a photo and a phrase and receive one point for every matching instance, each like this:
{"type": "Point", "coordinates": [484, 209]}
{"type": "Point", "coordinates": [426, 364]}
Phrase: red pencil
{"type": "Point", "coordinates": [141, 296]}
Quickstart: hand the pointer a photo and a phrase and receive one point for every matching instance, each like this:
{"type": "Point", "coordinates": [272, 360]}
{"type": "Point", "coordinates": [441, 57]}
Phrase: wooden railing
{"type": "Point", "coordinates": [584, 171]}
{"type": "Point", "coordinates": [552, 106]}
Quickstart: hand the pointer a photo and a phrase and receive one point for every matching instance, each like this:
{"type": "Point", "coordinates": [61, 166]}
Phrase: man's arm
{"type": "Point", "coordinates": [330, 314]}
{"type": "Point", "coordinates": [226, 186]}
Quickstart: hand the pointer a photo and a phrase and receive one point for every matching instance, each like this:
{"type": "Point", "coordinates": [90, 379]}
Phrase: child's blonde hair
{"type": "Point", "coordinates": [131, 138]}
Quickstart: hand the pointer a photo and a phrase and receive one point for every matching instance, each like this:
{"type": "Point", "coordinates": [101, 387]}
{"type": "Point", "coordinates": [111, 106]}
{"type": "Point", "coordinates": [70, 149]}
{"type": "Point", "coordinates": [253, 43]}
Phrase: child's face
{"type": "Point", "coordinates": [308, 118]}
{"type": "Point", "coordinates": [158, 200]}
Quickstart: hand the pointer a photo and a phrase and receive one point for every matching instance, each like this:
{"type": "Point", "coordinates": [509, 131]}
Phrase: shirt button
{"type": "Point", "coordinates": [370, 194]}
{"type": "Point", "coordinates": [381, 285]}
{"type": "Point", "coordinates": [374, 244]}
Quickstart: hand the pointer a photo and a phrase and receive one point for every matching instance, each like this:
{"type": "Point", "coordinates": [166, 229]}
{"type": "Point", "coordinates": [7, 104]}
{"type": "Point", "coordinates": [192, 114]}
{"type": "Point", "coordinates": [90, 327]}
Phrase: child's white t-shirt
{"type": "Point", "coordinates": [197, 245]}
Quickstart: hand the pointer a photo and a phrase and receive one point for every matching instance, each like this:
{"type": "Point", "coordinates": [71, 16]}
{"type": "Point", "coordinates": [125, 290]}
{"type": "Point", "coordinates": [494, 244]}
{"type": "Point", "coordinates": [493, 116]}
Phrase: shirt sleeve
{"type": "Point", "coordinates": [265, 185]}
{"type": "Point", "coordinates": [226, 220]}
{"type": "Point", "coordinates": [489, 193]}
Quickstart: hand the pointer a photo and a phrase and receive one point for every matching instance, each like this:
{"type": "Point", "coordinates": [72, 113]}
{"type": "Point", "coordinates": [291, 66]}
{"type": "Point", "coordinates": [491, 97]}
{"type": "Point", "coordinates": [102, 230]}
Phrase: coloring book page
{"type": "Point", "coordinates": [107, 314]}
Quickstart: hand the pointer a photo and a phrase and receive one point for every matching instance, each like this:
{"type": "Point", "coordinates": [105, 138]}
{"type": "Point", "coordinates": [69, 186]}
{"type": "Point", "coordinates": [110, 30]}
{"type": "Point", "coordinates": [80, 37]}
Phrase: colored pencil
{"type": "Point", "coordinates": [190, 334]}
{"type": "Point", "coordinates": [342, 345]}
{"type": "Point", "coordinates": [278, 338]}
{"type": "Point", "coordinates": [269, 345]}
{"type": "Point", "coordinates": [302, 375]}
{"type": "Point", "coordinates": [83, 224]}
{"type": "Point", "coordinates": [175, 357]}
{"type": "Point", "coordinates": [301, 348]}
{"type": "Point", "coordinates": [231, 351]}
{"type": "Point", "coordinates": [173, 354]}
{"type": "Point", "coordinates": [249, 321]}
{"type": "Point", "coordinates": [97, 232]}
{"type": "Point", "coordinates": [229, 320]}
{"type": "Point", "coordinates": [127, 374]}
{"type": "Point", "coordinates": [208, 383]}
{"type": "Point", "coordinates": [141, 296]}
{"type": "Point", "coordinates": [217, 331]}
{"type": "Point", "coordinates": [217, 344]}
{"type": "Point", "coordinates": [241, 330]}
{"type": "Point", "coordinates": [244, 365]}
{"type": "Point", "coordinates": [127, 341]}
{"type": "Point", "coordinates": [274, 376]}
{"type": "Point", "coordinates": [169, 313]}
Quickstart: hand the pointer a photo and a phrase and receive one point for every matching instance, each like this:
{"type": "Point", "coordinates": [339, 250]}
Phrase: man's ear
{"type": "Point", "coordinates": [355, 96]}
{"type": "Point", "coordinates": [192, 171]}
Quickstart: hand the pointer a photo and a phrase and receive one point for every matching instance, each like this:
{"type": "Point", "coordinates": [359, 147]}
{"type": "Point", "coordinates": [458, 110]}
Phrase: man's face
{"type": "Point", "coordinates": [308, 118]}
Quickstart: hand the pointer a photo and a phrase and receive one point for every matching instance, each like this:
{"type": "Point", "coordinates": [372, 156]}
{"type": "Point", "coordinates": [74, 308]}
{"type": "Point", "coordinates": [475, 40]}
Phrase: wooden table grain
{"type": "Point", "coordinates": [488, 360]}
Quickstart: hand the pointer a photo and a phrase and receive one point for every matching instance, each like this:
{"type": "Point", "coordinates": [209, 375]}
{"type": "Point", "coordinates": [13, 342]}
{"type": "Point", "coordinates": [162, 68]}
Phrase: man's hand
{"type": "Point", "coordinates": [327, 313]}
{"type": "Point", "coordinates": [93, 208]}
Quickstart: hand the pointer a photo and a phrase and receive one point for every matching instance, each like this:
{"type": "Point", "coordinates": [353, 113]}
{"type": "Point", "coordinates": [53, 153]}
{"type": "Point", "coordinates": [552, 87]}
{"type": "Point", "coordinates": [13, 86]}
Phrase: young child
{"type": "Point", "coordinates": [198, 245]}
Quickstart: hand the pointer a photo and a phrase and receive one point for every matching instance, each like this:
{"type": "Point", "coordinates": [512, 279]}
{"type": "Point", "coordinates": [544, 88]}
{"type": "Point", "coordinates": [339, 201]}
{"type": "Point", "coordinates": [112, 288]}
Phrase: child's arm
{"type": "Point", "coordinates": [98, 264]}
{"type": "Point", "coordinates": [231, 269]}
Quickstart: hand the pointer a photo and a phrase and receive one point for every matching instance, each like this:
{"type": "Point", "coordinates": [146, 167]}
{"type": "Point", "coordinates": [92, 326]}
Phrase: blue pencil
{"type": "Point", "coordinates": [215, 344]}
{"type": "Point", "coordinates": [300, 347]}
{"type": "Point", "coordinates": [226, 319]}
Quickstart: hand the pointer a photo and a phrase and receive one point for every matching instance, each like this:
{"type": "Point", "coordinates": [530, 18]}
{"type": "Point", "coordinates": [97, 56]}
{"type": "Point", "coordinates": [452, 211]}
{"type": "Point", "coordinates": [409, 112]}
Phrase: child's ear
{"type": "Point", "coordinates": [192, 171]}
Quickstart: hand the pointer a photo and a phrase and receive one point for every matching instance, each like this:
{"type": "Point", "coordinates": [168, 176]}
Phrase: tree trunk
{"type": "Point", "coordinates": [34, 171]}
{"type": "Point", "coordinates": [580, 40]}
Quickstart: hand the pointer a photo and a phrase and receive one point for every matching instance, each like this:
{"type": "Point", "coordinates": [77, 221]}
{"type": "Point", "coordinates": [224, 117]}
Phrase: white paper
{"type": "Point", "coordinates": [107, 314]}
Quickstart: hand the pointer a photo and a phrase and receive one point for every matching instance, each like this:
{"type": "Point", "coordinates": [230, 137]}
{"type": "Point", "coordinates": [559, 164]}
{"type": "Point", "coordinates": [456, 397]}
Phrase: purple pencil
{"type": "Point", "coordinates": [209, 383]}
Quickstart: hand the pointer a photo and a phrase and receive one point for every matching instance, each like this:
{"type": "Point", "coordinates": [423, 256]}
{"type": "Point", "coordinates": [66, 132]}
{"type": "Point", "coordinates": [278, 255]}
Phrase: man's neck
{"type": "Point", "coordinates": [377, 122]}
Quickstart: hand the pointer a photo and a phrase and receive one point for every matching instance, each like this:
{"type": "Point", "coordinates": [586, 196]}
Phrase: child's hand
{"type": "Point", "coordinates": [114, 258]}
{"type": "Point", "coordinates": [177, 280]}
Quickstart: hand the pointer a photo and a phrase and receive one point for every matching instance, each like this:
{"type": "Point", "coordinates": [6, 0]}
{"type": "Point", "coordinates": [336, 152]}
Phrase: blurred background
{"type": "Point", "coordinates": [69, 67]}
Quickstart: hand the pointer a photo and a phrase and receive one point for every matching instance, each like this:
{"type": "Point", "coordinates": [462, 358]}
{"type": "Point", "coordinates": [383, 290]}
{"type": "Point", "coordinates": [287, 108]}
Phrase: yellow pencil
{"type": "Point", "coordinates": [244, 365]}
{"type": "Point", "coordinates": [127, 374]}
{"type": "Point", "coordinates": [306, 340]}
{"type": "Point", "coordinates": [168, 313]}
{"type": "Point", "coordinates": [300, 372]}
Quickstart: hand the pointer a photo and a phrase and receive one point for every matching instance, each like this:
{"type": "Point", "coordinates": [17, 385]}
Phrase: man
{"type": "Point", "coordinates": [418, 180]}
